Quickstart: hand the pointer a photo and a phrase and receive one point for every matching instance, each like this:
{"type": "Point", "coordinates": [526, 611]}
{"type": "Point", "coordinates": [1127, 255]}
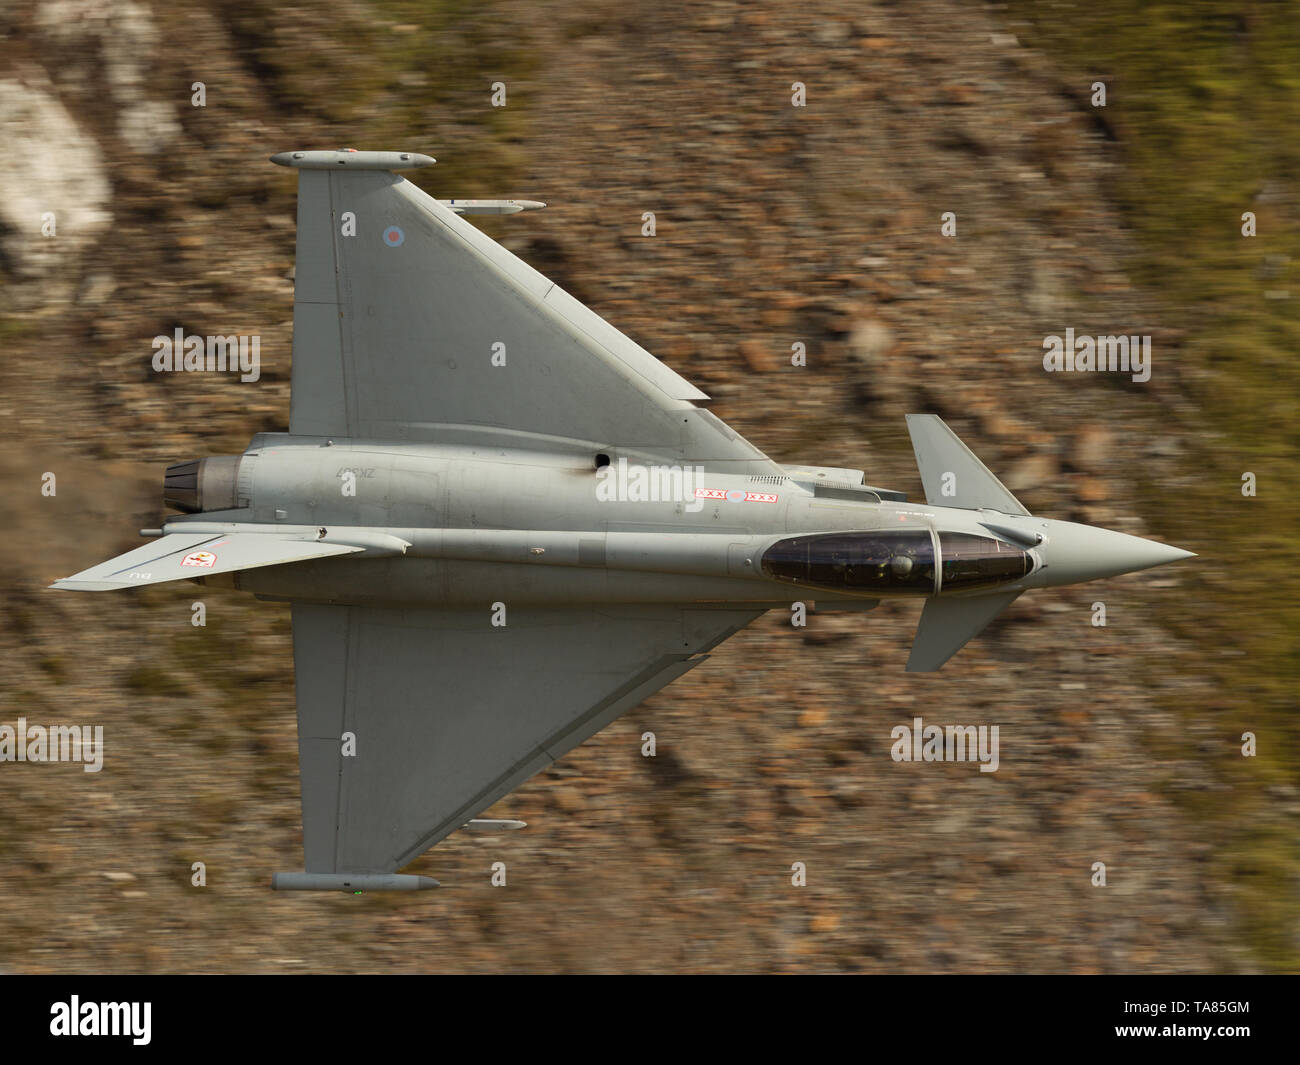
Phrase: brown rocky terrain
{"type": "Point", "coordinates": [775, 225]}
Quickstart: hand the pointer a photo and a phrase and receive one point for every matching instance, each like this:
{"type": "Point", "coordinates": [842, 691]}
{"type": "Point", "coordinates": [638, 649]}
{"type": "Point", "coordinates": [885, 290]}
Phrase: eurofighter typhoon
{"type": "Point", "coordinates": [501, 524]}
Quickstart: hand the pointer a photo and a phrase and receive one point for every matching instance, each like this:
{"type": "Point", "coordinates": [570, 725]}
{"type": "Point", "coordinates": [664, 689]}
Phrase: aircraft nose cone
{"type": "Point", "coordinates": [1076, 553]}
{"type": "Point", "coordinates": [1121, 553]}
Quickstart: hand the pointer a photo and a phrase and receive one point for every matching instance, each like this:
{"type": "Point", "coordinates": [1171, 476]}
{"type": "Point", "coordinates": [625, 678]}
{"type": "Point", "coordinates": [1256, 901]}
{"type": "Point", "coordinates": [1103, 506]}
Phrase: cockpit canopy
{"type": "Point", "coordinates": [972, 561]}
{"type": "Point", "coordinates": [890, 562]}
{"type": "Point", "coordinates": [895, 562]}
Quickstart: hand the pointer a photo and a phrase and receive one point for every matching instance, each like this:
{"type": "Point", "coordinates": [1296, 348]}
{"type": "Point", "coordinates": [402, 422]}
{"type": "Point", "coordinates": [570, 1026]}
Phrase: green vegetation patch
{"type": "Point", "coordinates": [1204, 99]}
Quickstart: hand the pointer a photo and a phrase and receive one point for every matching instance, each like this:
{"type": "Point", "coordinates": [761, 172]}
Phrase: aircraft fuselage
{"type": "Point", "coordinates": [481, 525]}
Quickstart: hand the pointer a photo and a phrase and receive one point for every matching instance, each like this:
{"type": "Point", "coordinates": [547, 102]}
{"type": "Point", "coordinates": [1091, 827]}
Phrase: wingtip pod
{"type": "Point", "coordinates": [352, 882]}
{"type": "Point", "coordinates": [351, 159]}
{"type": "Point", "coordinates": [491, 206]}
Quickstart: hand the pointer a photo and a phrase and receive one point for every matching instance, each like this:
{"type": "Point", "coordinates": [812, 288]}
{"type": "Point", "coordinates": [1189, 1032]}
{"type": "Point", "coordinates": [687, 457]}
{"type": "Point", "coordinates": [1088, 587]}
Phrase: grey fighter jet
{"type": "Point", "coordinates": [501, 524]}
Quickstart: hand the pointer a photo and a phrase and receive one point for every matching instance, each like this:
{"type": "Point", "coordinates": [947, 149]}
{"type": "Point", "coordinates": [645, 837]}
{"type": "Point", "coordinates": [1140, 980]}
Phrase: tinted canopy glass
{"type": "Point", "coordinates": [888, 562]}
{"type": "Point", "coordinates": [971, 561]}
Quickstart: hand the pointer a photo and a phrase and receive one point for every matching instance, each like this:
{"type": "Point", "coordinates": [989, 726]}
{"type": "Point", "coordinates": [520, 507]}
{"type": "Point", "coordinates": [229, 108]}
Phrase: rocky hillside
{"type": "Point", "coordinates": [775, 225]}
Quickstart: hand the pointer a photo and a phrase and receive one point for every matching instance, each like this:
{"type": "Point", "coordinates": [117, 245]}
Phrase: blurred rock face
{"type": "Point", "coordinates": [122, 36]}
{"type": "Point", "coordinates": [54, 190]}
{"type": "Point", "coordinates": [818, 225]}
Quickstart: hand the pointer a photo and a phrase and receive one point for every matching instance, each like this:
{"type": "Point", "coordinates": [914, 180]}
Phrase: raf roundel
{"type": "Point", "coordinates": [393, 236]}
